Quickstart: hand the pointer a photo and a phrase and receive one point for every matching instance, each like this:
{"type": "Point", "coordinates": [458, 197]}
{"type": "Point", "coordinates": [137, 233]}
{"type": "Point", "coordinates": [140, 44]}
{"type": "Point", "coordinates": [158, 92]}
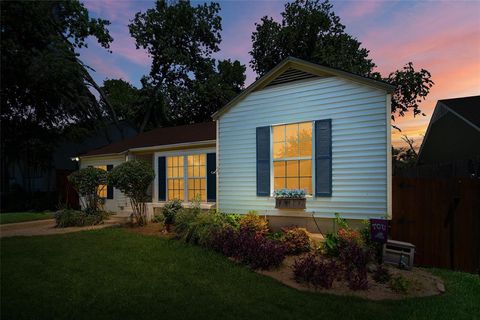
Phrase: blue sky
{"type": "Point", "coordinates": [440, 36]}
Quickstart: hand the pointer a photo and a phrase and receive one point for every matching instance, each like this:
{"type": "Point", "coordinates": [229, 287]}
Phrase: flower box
{"type": "Point", "coordinates": [290, 203]}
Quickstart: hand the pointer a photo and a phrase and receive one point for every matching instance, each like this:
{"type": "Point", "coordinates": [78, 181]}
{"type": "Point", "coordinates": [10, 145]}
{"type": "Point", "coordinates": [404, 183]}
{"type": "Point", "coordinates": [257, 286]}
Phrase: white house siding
{"type": "Point", "coordinates": [359, 146]}
{"type": "Point", "coordinates": [119, 200]}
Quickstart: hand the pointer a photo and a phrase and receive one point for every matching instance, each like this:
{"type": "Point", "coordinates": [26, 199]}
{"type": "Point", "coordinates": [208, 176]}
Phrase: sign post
{"type": "Point", "coordinates": [379, 234]}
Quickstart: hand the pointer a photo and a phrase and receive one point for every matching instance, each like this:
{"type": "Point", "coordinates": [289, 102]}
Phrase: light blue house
{"type": "Point", "coordinates": [301, 125]}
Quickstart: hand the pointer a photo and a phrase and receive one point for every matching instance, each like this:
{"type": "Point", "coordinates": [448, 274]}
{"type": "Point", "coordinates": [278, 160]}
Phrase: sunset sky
{"type": "Point", "coordinates": [440, 36]}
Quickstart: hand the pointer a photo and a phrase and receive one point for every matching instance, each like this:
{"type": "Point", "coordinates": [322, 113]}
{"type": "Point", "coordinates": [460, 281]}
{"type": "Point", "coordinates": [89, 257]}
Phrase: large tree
{"type": "Point", "coordinates": [45, 87]}
{"type": "Point", "coordinates": [310, 30]}
{"type": "Point", "coordinates": [185, 83]}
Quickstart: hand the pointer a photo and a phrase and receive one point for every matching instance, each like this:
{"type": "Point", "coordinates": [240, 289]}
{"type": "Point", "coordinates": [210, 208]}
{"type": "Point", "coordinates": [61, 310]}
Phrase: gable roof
{"type": "Point", "coordinates": [305, 67]}
{"type": "Point", "coordinates": [159, 137]}
{"type": "Point", "coordinates": [468, 108]}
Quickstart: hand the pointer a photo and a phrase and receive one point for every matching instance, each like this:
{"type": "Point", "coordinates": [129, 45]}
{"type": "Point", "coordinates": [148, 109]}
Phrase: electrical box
{"type": "Point", "coordinates": [399, 253]}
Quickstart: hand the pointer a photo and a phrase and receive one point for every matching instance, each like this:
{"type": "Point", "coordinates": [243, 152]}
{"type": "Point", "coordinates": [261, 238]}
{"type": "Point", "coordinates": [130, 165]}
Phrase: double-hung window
{"type": "Point", "coordinates": [292, 156]}
{"type": "Point", "coordinates": [187, 177]}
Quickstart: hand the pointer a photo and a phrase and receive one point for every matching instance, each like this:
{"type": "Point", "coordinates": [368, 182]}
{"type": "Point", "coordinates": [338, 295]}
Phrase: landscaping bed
{"type": "Point", "coordinates": [422, 283]}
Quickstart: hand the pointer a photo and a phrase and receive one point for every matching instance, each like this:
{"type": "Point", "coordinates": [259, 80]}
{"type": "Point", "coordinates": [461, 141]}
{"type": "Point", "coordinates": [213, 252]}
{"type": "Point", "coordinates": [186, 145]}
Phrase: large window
{"type": "Point", "coordinates": [102, 189]}
{"type": "Point", "coordinates": [175, 181]}
{"type": "Point", "coordinates": [193, 184]}
{"type": "Point", "coordinates": [197, 177]}
{"type": "Point", "coordinates": [292, 156]}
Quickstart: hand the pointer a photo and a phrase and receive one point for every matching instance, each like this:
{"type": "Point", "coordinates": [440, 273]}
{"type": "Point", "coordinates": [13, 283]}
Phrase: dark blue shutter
{"type": "Point", "coordinates": [162, 179]}
{"type": "Point", "coordinates": [263, 161]}
{"type": "Point", "coordinates": [323, 158]}
{"type": "Point", "coordinates": [109, 188]}
{"type": "Point", "coordinates": [211, 177]}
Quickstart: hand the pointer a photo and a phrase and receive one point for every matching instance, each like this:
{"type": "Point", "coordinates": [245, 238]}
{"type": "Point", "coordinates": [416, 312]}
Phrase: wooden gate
{"type": "Point", "coordinates": [441, 217]}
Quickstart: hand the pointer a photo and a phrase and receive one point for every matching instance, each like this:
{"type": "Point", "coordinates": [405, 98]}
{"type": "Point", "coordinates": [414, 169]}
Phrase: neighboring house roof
{"type": "Point", "coordinates": [467, 108]}
{"type": "Point", "coordinates": [453, 132]}
{"type": "Point", "coordinates": [283, 73]}
{"type": "Point", "coordinates": [160, 137]}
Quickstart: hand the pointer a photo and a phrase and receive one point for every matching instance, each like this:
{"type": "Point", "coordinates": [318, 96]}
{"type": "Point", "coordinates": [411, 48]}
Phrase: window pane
{"type": "Point", "coordinates": [180, 172]}
{"type": "Point", "coordinates": [170, 184]}
{"type": "Point", "coordinates": [305, 131]}
{"type": "Point", "coordinates": [292, 168]}
{"type": "Point", "coordinates": [202, 159]}
{"type": "Point", "coordinates": [306, 168]}
{"type": "Point", "coordinates": [292, 149]}
{"type": "Point", "coordinates": [196, 171]}
{"type": "Point", "coordinates": [191, 194]}
{"type": "Point", "coordinates": [279, 169]}
{"type": "Point", "coordinates": [278, 133]}
{"type": "Point", "coordinates": [306, 148]}
{"type": "Point", "coordinates": [306, 184]}
{"type": "Point", "coordinates": [292, 183]}
{"type": "Point", "coordinates": [278, 150]}
{"type": "Point", "coordinates": [203, 195]}
{"type": "Point", "coordinates": [170, 194]}
{"type": "Point", "coordinates": [169, 161]}
{"type": "Point", "coordinates": [203, 171]}
{"type": "Point", "coordinates": [203, 183]}
{"type": "Point", "coordinates": [191, 184]}
{"type": "Point", "coordinates": [279, 183]}
{"type": "Point", "coordinates": [190, 171]}
{"type": "Point", "coordinates": [180, 185]}
{"type": "Point", "coordinates": [291, 132]}
{"type": "Point", "coordinates": [180, 161]}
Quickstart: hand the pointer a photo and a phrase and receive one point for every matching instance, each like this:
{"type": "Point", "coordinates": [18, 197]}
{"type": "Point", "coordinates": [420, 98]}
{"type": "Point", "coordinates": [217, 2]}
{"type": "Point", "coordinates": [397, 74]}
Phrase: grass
{"type": "Point", "coordinates": [113, 274]}
{"type": "Point", "coordinates": [13, 217]}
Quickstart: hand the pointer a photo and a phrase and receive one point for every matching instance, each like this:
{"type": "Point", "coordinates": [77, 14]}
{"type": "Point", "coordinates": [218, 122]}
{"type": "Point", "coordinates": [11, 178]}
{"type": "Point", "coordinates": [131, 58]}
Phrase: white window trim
{"type": "Point", "coordinates": [272, 175]}
{"type": "Point", "coordinates": [173, 153]}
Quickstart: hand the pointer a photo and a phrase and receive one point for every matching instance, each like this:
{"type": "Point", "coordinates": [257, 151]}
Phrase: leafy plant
{"type": "Point", "coordinates": [133, 178]}
{"type": "Point", "coordinates": [354, 259]}
{"type": "Point", "coordinates": [296, 240]}
{"type": "Point", "coordinates": [233, 219]}
{"type": "Point", "coordinates": [202, 229]}
{"type": "Point", "coordinates": [254, 223]}
{"type": "Point", "coordinates": [340, 223]}
{"type": "Point", "coordinates": [170, 210]}
{"type": "Point", "coordinates": [289, 193]}
{"type": "Point", "coordinates": [313, 270]}
{"type": "Point", "coordinates": [250, 248]}
{"type": "Point", "coordinates": [88, 182]}
{"type": "Point", "coordinates": [381, 274]}
{"type": "Point", "coordinates": [75, 218]}
{"type": "Point", "coordinates": [399, 284]}
{"type": "Point", "coordinates": [330, 245]}
{"type": "Point", "coordinates": [183, 220]}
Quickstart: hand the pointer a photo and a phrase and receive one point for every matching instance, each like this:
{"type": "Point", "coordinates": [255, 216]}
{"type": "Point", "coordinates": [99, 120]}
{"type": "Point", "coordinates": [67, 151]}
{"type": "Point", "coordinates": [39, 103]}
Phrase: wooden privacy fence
{"type": "Point", "coordinates": [441, 217]}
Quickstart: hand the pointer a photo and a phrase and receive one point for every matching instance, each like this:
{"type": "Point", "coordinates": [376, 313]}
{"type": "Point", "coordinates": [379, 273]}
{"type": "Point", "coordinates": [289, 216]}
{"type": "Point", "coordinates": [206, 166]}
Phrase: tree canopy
{"type": "Point", "coordinates": [185, 82]}
{"type": "Point", "coordinates": [310, 30]}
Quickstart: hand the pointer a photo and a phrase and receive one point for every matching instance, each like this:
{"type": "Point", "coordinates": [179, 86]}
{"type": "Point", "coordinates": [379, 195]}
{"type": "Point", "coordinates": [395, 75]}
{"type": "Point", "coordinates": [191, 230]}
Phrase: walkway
{"type": "Point", "coordinates": [47, 227]}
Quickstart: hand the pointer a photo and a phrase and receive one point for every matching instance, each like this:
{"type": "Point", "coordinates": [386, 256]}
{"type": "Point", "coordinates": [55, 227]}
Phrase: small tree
{"type": "Point", "coordinates": [89, 182]}
{"type": "Point", "coordinates": [133, 179]}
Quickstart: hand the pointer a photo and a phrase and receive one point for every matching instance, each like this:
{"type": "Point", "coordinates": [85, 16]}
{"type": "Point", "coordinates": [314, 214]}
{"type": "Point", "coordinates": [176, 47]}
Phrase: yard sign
{"type": "Point", "coordinates": [379, 230]}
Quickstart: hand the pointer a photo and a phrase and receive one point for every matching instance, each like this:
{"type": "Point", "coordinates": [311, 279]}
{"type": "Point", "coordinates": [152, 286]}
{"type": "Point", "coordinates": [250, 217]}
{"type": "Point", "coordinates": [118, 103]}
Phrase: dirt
{"type": "Point", "coordinates": [152, 229]}
{"type": "Point", "coordinates": [422, 283]}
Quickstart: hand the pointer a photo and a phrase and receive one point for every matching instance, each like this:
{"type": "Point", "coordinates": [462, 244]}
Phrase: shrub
{"type": "Point", "coordinates": [289, 193]}
{"type": "Point", "coordinates": [399, 284]}
{"type": "Point", "coordinates": [202, 229]}
{"type": "Point", "coordinates": [233, 219]}
{"type": "Point", "coordinates": [248, 247]}
{"type": "Point", "coordinates": [354, 259]}
{"type": "Point", "coordinates": [296, 240]}
{"type": "Point", "coordinates": [330, 245]}
{"type": "Point", "coordinates": [133, 178]}
{"type": "Point", "coordinates": [315, 271]}
{"type": "Point", "coordinates": [381, 274]}
{"type": "Point", "coordinates": [183, 220]}
{"type": "Point", "coordinates": [225, 241]}
{"type": "Point", "coordinates": [254, 223]}
{"type": "Point", "coordinates": [257, 251]}
{"type": "Point", "coordinates": [170, 210]}
{"type": "Point", "coordinates": [75, 218]}
{"type": "Point", "coordinates": [88, 182]}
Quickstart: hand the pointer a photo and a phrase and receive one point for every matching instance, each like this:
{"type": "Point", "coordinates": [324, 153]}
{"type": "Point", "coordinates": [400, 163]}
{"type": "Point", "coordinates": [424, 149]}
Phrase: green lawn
{"type": "Point", "coordinates": [12, 217]}
{"type": "Point", "coordinates": [116, 274]}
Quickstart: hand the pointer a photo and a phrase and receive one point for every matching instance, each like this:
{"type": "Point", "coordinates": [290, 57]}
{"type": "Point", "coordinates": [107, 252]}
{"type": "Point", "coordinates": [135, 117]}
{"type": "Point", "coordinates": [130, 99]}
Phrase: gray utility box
{"type": "Point", "coordinates": [399, 253]}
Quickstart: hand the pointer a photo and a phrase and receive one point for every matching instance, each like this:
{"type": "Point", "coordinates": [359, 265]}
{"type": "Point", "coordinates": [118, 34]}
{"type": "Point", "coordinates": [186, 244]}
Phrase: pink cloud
{"type": "Point", "coordinates": [360, 9]}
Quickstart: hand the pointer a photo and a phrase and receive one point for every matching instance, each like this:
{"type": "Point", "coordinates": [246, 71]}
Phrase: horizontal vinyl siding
{"type": "Point", "coordinates": [359, 145]}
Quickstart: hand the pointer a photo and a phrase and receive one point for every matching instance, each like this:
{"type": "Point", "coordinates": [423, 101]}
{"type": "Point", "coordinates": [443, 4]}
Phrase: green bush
{"type": "Point", "coordinates": [199, 228]}
{"type": "Point", "coordinates": [399, 284]}
{"type": "Point", "coordinates": [75, 218]}
{"type": "Point", "coordinates": [88, 182]}
{"type": "Point", "coordinates": [170, 210]}
{"type": "Point", "coordinates": [133, 178]}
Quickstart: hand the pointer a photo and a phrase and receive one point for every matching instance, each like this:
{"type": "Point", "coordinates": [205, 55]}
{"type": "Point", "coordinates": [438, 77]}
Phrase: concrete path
{"type": "Point", "coordinates": [47, 227]}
